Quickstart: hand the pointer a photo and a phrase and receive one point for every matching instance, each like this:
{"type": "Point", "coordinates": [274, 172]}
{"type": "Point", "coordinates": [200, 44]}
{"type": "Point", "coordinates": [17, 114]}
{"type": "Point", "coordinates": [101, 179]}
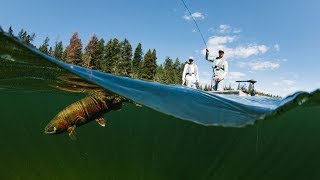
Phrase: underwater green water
{"type": "Point", "coordinates": [140, 143]}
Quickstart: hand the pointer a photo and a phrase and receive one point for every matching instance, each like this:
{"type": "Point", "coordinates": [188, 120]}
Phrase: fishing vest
{"type": "Point", "coordinates": [218, 67]}
{"type": "Point", "coordinates": [191, 69]}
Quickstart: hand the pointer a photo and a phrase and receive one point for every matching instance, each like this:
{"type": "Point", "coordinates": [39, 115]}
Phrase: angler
{"type": "Point", "coordinates": [220, 70]}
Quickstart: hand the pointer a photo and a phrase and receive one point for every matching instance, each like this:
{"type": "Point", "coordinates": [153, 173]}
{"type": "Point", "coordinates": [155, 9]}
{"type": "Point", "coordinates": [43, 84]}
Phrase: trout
{"type": "Point", "coordinates": [81, 112]}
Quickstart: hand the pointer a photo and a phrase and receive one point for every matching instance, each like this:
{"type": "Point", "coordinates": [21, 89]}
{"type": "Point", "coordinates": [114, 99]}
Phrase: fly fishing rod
{"type": "Point", "coordinates": [194, 20]}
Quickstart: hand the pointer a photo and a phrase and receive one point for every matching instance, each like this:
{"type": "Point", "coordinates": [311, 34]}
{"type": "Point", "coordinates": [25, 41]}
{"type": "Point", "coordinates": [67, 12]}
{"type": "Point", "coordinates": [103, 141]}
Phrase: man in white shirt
{"type": "Point", "coordinates": [190, 74]}
{"type": "Point", "coordinates": [220, 70]}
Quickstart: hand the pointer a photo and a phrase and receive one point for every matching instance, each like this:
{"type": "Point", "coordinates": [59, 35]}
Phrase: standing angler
{"type": "Point", "coordinates": [81, 112]}
{"type": "Point", "coordinates": [220, 70]}
{"type": "Point", "coordinates": [190, 74]}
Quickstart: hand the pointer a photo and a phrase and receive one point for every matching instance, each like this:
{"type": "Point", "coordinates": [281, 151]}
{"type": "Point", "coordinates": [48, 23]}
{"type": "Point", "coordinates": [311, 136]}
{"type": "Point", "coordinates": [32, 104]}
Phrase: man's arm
{"type": "Point", "coordinates": [207, 56]}
{"type": "Point", "coordinates": [184, 74]}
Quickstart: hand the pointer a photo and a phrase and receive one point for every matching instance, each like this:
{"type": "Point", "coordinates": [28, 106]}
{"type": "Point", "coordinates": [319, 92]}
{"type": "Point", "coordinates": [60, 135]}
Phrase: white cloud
{"type": "Point", "coordinates": [236, 31]}
{"type": "Point", "coordinates": [216, 43]}
{"type": "Point", "coordinates": [219, 40]}
{"type": "Point", "coordinates": [246, 51]}
{"type": "Point", "coordinates": [288, 82]}
{"type": "Point", "coordinates": [194, 30]}
{"type": "Point", "coordinates": [196, 15]}
{"type": "Point", "coordinates": [276, 47]}
{"type": "Point", "coordinates": [223, 28]}
{"type": "Point", "coordinates": [235, 75]}
{"type": "Point", "coordinates": [283, 87]}
{"type": "Point", "coordinates": [284, 82]}
{"type": "Point", "coordinates": [260, 65]}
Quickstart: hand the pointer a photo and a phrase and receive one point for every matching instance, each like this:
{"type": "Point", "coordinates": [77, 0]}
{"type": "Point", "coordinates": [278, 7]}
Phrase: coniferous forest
{"type": "Point", "coordinates": [114, 56]}
{"type": "Point", "coordinates": [118, 58]}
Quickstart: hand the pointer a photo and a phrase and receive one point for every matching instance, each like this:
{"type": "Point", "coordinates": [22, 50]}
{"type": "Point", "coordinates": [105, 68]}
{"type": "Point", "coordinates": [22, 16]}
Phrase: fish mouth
{"type": "Point", "coordinates": [50, 130]}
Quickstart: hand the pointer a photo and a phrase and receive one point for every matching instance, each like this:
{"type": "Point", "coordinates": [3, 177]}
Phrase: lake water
{"type": "Point", "coordinates": [178, 133]}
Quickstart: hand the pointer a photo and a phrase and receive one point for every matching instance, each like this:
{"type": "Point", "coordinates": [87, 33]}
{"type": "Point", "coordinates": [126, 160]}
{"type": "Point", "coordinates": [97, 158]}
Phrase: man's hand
{"type": "Point", "coordinates": [218, 78]}
{"type": "Point", "coordinates": [207, 53]}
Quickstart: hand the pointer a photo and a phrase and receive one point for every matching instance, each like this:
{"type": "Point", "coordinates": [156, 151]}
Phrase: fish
{"type": "Point", "coordinates": [81, 112]}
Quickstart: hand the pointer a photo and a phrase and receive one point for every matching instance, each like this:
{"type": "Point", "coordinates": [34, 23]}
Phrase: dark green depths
{"type": "Point", "coordinates": [140, 143]}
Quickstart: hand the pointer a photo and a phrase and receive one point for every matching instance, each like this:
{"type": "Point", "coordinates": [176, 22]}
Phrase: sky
{"type": "Point", "coordinates": [275, 42]}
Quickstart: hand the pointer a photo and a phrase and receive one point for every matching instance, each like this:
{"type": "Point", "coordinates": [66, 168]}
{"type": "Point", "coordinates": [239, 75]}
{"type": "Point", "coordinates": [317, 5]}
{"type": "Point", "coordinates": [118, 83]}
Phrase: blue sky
{"type": "Point", "coordinates": [275, 42]}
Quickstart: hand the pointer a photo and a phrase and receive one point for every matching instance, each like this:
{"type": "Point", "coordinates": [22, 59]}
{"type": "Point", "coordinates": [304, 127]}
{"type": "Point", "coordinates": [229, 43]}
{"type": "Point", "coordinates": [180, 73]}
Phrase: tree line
{"type": "Point", "coordinates": [114, 56]}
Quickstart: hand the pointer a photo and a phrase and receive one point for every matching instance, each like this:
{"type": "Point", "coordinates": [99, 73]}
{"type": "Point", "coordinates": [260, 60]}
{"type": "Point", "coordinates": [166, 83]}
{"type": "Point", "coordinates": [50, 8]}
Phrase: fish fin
{"type": "Point", "coordinates": [80, 119]}
{"type": "Point", "coordinates": [101, 121]}
{"type": "Point", "coordinates": [72, 132]}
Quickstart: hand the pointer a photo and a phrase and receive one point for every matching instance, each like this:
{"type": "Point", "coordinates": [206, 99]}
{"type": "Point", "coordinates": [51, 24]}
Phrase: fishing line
{"type": "Point", "coordinates": [194, 20]}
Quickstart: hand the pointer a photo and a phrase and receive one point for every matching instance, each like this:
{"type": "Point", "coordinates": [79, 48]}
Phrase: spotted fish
{"type": "Point", "coordinates": [81, 112]}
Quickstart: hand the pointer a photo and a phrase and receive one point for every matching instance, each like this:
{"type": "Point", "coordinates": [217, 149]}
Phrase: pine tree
{"type": "Point", "coordinates": [153, 63]}
{"type": "Point", "coordinates": [136, 62]}
{"type": "Point", "coordinates": [10, 31]}
{"type": "Point", "coordinates": [65, 54]}
{"type": "Point", "coordinates": [111, 56]}
{"type": "Point", "coordinates": [91, 55]}
{"type": "Point", "coordinates": [107, 62]}
{"type": "Point", "coordinates": [74, 50]}
{"type": "Point", "coordinates": [227, 87]}
{"type": "Point", "coordinates": [58, 50]}
{"type": "Point", "coordinates": [100, 54]}
{"type": "Point", "coordinates": [207, 87]}
{"type": "Point", "coordinates": [177, 72]}
{"type": "Point", "coordinates": [50, 51]}
{"type": "Point", "coordinates": [148, 68]}
{"type": "Point", "coordinates": [26, 38]}
{"type": "Point", "coordinates": [115, 55]}
{"type": "Point", "coordinates": [124, 63]}
{"type": "Point", "coordinates": [159, 77]}
{"type": "Point", "coordinates": [22, 34]}
{"type": "Point", "coordinates": [168, 71]}
{"type": "Point", "coordinates": [44, 47]}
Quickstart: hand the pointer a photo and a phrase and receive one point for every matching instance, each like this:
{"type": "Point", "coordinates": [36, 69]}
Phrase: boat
{"type": "Point", "coordinates": [239, 92]}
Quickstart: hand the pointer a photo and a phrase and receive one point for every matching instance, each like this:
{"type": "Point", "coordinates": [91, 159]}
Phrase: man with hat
{"type": "Point", "coordinates": [220, 70]}
{"type": "Point", "coordinates": [190, 74]}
